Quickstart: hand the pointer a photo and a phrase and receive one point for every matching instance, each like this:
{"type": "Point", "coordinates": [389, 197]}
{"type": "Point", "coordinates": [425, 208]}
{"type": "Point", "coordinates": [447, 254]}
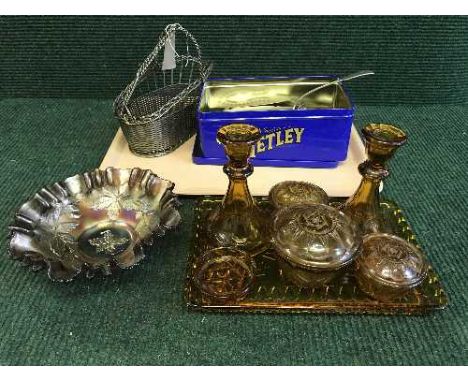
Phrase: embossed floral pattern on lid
{"type": "Point", "coordinates": [293, 192]}
{"type": "Point", "coordinates": [392, 261]}
{"type": "Point", "coordinates": [315, 237]}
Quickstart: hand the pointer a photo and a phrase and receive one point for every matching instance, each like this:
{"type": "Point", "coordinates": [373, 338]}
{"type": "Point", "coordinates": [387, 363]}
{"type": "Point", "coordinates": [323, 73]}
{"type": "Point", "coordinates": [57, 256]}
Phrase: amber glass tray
{"type": "Point", "coordinates": [272, 292]}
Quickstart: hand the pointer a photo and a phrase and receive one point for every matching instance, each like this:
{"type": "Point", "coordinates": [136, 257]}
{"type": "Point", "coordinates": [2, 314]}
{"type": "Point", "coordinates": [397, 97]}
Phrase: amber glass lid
{"type": "Point", "coordinates": [392, 261]}
{"type": "Point", "coordinates": [315, 236]}
{"type": "Point", "coordinates": [293, 192]}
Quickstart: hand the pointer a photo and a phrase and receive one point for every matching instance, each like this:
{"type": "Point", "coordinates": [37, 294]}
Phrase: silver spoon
{"type": "Point", "coordinates": [338, 81]}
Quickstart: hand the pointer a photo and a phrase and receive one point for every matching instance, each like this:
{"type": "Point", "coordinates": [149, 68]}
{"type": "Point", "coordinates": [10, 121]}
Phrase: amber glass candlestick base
{"type": "Point", "coordinates": [363, 207]}
{"type": "Point", "coordinates": [238, 222]}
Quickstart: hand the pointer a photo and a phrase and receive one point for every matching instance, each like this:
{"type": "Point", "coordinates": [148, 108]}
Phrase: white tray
{"type": "Point", "coordinates": [193, 179]}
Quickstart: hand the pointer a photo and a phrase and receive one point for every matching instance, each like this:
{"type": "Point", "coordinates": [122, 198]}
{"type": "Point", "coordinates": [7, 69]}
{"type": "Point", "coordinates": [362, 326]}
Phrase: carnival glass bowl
{"type": "Point", "coordinates": [100, 220]}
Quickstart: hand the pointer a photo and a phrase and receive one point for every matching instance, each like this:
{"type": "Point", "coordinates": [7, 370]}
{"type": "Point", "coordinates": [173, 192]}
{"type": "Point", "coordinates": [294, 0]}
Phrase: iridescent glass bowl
{"type": "Point", "coordinates": [389, 266]}
{"type": "Point", "coordinates": [98, 221]}
{"type": "Point", "coordinates": [316, 238]}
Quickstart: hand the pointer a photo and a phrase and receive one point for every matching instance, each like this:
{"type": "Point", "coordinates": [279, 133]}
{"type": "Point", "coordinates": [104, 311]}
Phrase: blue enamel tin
{"type": "Point", "coordinates": [314, 135]}
{"type": "Point", "coordinates": [199, 158]}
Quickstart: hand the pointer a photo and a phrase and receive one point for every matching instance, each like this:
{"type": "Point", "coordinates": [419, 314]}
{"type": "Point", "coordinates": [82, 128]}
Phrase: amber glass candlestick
{"type": "Point", "coordinates": [363, 207]}
{"type": "Point", "coordinates": [238, 222]}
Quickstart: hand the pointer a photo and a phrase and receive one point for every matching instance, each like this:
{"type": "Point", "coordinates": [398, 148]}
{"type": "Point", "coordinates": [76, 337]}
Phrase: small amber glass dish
{"type": "Point", "coordinates": [224, 274]}
{"type": "Point", "coordinates": [304, 278]}
{"type": "Point", "coordinates": [389, 266]}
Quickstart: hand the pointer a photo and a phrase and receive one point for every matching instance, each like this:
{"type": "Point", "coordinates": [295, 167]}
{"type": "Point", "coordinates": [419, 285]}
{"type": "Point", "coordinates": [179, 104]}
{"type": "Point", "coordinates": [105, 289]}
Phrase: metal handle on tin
{"type": "Point", "coordinates": [338, 81]}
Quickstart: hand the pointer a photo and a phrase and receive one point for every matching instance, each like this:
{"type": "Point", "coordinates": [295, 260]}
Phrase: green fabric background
{"type": "Point", "coordinates": [417, 59]}
{"type": "Point", "coordinates": [138, 316]}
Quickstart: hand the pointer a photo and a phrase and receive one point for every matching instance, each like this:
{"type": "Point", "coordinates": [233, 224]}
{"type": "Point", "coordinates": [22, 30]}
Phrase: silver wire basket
{"type": "Point", "coordinates": [157, 110]}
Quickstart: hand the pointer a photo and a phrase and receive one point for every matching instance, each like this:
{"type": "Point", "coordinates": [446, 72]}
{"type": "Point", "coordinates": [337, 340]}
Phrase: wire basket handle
{"type": "Point", "coordinates": [125, 96]}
